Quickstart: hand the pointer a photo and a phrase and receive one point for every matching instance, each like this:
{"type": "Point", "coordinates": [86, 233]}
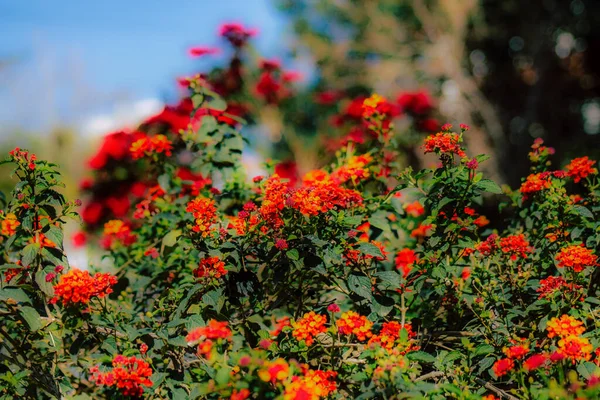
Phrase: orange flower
{"type": "Point", "coordinates": [370, 105]}
{"type": "Point", "coordinates": [390, 333]}
{"type": "Point", "coordinates": [77, 286]}
{"type": "Point", "coordinates": [354, 170]}
{"type": "Point", "coordinates": [314, 385]}
{"type": "Point", "coordinates": [148, 145]}
{"type": "Point", "coordinates": [576, 257]}
{"type": "Point", "coordinates": [307, 327]}
{"type": "Point", "coordinates": [516, 352]}
{"type": "Point", "coordinates": [352, 323]}
{"type": "Point", "coordinates": [129, 374]}
{"type": "Point", "coordinates": [515, 245]}
{"type": "Point", "coordinates": [575, 348]}
{"type": "Point", "coordinates": [564, 326]}
{"type": "Point", "coordinates": [414, 209]}
{"type": "Point", "coordinates": [421, 231]}
{"type": "Point", "coordinates": [203, 336]}
{"type": "Point", "coordinates": [9, 225]}
{"type": "Point", "coordinates": [205, 213]}
{"type": "Point", "coordinates": [444, 143]}
{"type": "Point", "coordinates": [211, 267]}
{"type": "Point", "coordinates": [243, 394]}
{"type": "Point", "coordinates": [273, 371]}
{"type": "Point", "coordinates": [580, 168]}
{"type": "Point", "coordinates": [281, 323]}
{"type": "Point", "coordinates": [405, 260]}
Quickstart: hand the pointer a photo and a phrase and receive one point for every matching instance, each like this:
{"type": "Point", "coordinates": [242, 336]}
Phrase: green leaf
{"type": "Point", "coordinates": [55, 234]}
{"type": "Point", "coordinates": [293, 254]}
{"type": "Point", "coordinates": [421, 356]}
{"type": "Point", "coordinates": [360, 285]}
{"type": "Point", "coordinates": [31, 316]}
{"type": "Point", "coordinates": [583, 211]}
{"type": "Point", "coordinates": [586, 369]}
{"type": "Point", "coordinates": [164, 181]}
{"type": "Point", "coordinates": [171, 238]}
{"type": "Point", "coordinates": [46, 287]}
{"type": "Point", "coordinates": [484, 349]}
{"type": "Point", "coordinates": [390, 278]}
{"type": "Point", "coordinates": [371, 250]}
{"type": "Point", "coordinates": [14, 294]}
{"type": "Point", "coordinates": [29, 253]}
{"type": "Point", "coordinates": [488, 185]}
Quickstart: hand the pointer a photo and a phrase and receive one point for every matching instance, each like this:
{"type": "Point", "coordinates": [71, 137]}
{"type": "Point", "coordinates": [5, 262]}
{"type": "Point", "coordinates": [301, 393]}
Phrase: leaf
{"type": "Point", "coordinates": [171, 238]}
{"type": "Point", "coordinates": [29, 253]}
{"type": "Point", "coordinates": [371, 250]}
{"type": "Point", "coordinates": [583, 211]}
{"type": "Point", "coordinates": [46, 287]}
{"type": "Point", "coordinates": [360, 285]}
{"type": "Point", "coordinates": [421, 356]}
{"type": "Point", "coordinates": [14, 294]}
{"type": "Point", "coordinates": [293, 254]}
{"type": "Point", "coordinates": [489, 185]}
{"type": "Point", "coordinates": [55, 234]}
{"type": "Point", "coordinates": [390, 278]}
{"type": "Point", "coordinates": [484, 349]}
{"type": "Point", "coordinates": [164, 181]}
{"type": "Point", "coordinates": [586, 369]}
{"type": "Point", "coordinates": [31, 316]}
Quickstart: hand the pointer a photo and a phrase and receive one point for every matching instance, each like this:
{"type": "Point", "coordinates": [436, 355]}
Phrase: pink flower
{"type": "Point", "coordinates": [203, 51]}
{"type": "Point", "coordinates": [50, 277]}
{"type": "Point", "coordinates": [333, 308]}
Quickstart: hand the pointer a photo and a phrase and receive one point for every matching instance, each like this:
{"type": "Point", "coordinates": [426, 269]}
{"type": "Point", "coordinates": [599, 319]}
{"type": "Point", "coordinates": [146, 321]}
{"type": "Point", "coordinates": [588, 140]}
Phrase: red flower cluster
{"type": "Point", "coordinates": [552, 284]}
{"type": "Point", "coordinates": [539, 152]}
{"type": "Point", "coordinates": [405, 259]}
{"type": "Point", "coordinates": [390, 333]}
{"type": "Point", "coordinates": [444, 143]}
{"type": "Point", "coordinates": [536, 183]}
{"type": "Point", "coordinates": [117, 231]}
{"type": "Point", "coordinates": [22, 156]}
{"type": "Point", "coordinates": [129, 375]}
{"type": "Point", "coordinates": [211, 267]}
{"type": "Point", "coordinates": [503, 366]}
{"type": "Point", "coordinates": [516, 246]}
{"type": "Point", "coordinates": [205, 214]}
{"type": "Point", "coordinates": [205, 336]}
{"type": "Point", "coordinates": [236, 34]}
{"type": "Point", "coordinates": [151, 145]}
{"type": "Point", "coordinates": [77, 286]}
{"type": "Point", "coordinates": [320, 198]}
{"type": "Point", "coordinates": [581, 168]}
{"type": "Point", "coordinates": [576, 257]}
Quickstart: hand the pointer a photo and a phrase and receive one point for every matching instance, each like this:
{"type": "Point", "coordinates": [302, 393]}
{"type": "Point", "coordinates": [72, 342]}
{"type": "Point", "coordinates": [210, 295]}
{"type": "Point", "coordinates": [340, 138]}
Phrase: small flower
{"type": "Point", "coordinates": [472, 164]}
{"type": "Point", "coordinates": [564, 326]}
{"type": "Point", "coordinates": [503, 366]}
{"type": "Point", "coordinates": [281, 244]}
{"type": "Point", "coordinates": [200, 51]}
{"type": "Point", "coordinates": [352, 323]}
{"type": "Point", "coordinates": [50, 277]}
{"type": "Point", "coordinates": [333, 308]}
{"type": "Point", "coordinates": [580, 168]}
{"type": "Point", "coordinates": [309, 326]}
{"type": "Point", "coordinates": [534, 362]}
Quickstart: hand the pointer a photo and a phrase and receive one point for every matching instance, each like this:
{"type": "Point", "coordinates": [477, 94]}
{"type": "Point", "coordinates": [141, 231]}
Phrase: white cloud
{"type": "Point", "coordinates": [124, 116]}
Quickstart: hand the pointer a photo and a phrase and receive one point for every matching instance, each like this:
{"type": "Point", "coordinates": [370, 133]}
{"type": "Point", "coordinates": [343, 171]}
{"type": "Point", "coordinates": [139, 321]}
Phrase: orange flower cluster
{"type": "Point", "coordinates": [516, 352]}
{"type": "Point", "coordinates": [370, 104]}
{"type": "Point", "coordinates": [149, 145]}
{"type": "Point", "coordinates": [354, 170]}
{"type": "Point", "coordinates": [309, 326]}
{"type": "Point", "coordinates": [405, 260]}
{"type": "Point", "coordinates": [314, 385]}
{"type": "Point", "coordinates": [414, 209]}
{"type": "Point", "coordinates": [515, 245]}
{"type": "Point", "coordinates": [274, 201]}
{"type": "Point", "coordinates": [205, 214]}
{"type": "Point", "coordinates": [77, 286]}
{"type": "Point", "coordinates": [575, 348]}
{"type": "Point", "coordinates": [210, 267]}
{"type": "Point", "coordinates": [564, 326]}
{"type": "Point", "coordinates": [576, 257]}
{"type": "Point", "coordinates": [581, 168]}
{"type": "Point", "coordinates": [204, 336]}
{"type": "Point", "coordinates": [274, 371]}
{"type": "Point", "coordinates": [503, 366]}
{"type": "Point", "coordinates": [129, 375]}
{"type": "Point", "coordinates": [353, 323]}
{"type": "Point", "coordinates": [354, 256]}
{"type": "Point", "coordinates": [422, 231]}
{"type": "Point", "coordinates": [281, 323]}
{"type": "Point", "coordinates": [242, 394]}
{"type": "Point", "coordinates": [390, 333]}
{"type": "Point", "coordinates": [552, 284]}
{"type": "Point", "coordinates": [320, 198]}
{"type": "Point", "coordinates": [117, 230]}
{"type": "Point", "coordinates": [535, 183]}
{"type": "Point", "coordinates": [23, 156]}
{"type": "Point", "coordinates": [9, 225]}
{"type": "Point", "coordinates": [444, 143]}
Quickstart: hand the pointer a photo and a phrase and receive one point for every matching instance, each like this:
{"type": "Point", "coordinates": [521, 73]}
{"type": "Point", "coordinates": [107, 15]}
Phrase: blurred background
{"type": "Point", "coordinates": [71, 72]}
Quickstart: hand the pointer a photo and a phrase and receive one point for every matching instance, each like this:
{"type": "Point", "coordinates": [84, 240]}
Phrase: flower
{"type": "Point", "coordinates": [370, 105]}
{"type": "Point", "coordinates": [552, 284]}
{"type": "Point", "coordinates": [309, 326]}
{"type": "Point", "coordinates": [580, 168]}
{"type": "Point", "coordinates": [9, 224]}
{"type": "Point", "coordinates": [444, 143]}
{"type": "Point", "coordinates": [575, 348]}
{"type": "Point", "coordinates": [534, 362]}
{"type": "Point", "coordinates": [515, 245]}
{"type": "Point", "coordinates": [516, 352]}
{"type": "Point", "coordinates": [273, 371]}
{"type": "Point", "coordinates": [314, 385]}
{"type": "Point", "coordinates": [564, 326]}
{"type": "Point", "coordinates": [576, 257]}
{"type": "Point", "coordinates": [535, 183]}
{"type": "Point", "coordinates": [242, 394]}
{"type": "Point", "coordinates": [129, 375]}
{"type": "Point", "coordinates": [354, 170]}
{"type": "Point", "coordinates": [390, 333]}
{"type": "Point", "coordinates": [414, 209]}
{"type": "Point", "coordinates": [352, 323]}
{"type": "Point", "coordinates": [333, 308]}
{"type": "Point", "coordinates": [236, 34]}
{"type": "Point", "coordinates": [203, 336]}
{"type": "Point", "coordinates": [281, 244]}
{"type": "Point", "coordinates": [503, 366]}
{"type": "Point", "coordinates": [149, 145]}
{"type": "Point", "coordinates": [78, 287]}
{"type": "Point", "coordinates": [472, 164]}
{"type": "Point", "coordinates": [205, 214]}
{"type": "Point", "coordinates": [280, 324]}
{"type": "Point", "coordinates": [405, 260]}
{"type": "Point", "coordinates": [200, 51]}
{"type": "Point", "coordinates": [210, 267]}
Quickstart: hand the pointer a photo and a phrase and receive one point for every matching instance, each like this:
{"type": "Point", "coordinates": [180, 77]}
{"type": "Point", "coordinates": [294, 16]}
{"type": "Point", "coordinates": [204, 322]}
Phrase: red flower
{"type": "Point", "coordinates": [211, 267]}
{"type": "Point", "coordinates": [581, 168]}
{"type": "Point", "coordinates": [534, 362]}
{"type": "Point", "coordinates": [202, 51]}
{"type": "Point", "coordinates": [515, 245]}
{"type": "Point", "coordinates": [444, 143]}
{"type": "Point", "coordinates": [503, 366]}
{"type": "Point", "coordinates": [129, 375]}
{"type": "Point", "coordinates": [576, 257]}
{"type": "Point", "coordinates": [236, 33]}
{"type": "Point", "coordinates": [77, 286]}
{"type": "Point", "coordinates": [405, 259]}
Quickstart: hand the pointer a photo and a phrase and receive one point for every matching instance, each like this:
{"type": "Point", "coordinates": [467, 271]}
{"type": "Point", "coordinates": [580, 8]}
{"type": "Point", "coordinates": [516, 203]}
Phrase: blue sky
{"type": "Point", "coordinates": [129, 48]}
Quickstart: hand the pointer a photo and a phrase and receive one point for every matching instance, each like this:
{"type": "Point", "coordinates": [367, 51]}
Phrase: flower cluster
{"type": "Point", "coordinates": [117, 231]}
{"type": "Point", "coordinates": [351, 322]}
{"type": "Point", "coordinates": [581, 168]}
{"type": "Point", "coordinates": [205, 336]}
{"type": "Point", "coordinates": [564, 326]}
{"type": "Point", "coordinates": [314, 385]}
{"type": "Point", "coordinates": [145, 146]}
{"type": "Point", "coordinates": [515, 245]}
{"type": "Point", "coordinates": [310, 325]}
{"type": "Point", "coordinates": [389, 335]}
{"type": "Point", "coordinates": [129, 375]}
{"type": "Point", "coordinates": [576, 257]}
{"type": "Point", "coordinates": [210, 267]}
{"type": "Point", "coordinates": [78, 287]}
{"type": "Point", "coordinates": [205, 214]}
{"type": "Point", "coordinates": [553, 284]}
{"type": "Point", "coordinates": [9, 224]}
{"type": "Point", "coordinates": [444, 143]}
{"type": "Point", "coordinates": [405, 260]}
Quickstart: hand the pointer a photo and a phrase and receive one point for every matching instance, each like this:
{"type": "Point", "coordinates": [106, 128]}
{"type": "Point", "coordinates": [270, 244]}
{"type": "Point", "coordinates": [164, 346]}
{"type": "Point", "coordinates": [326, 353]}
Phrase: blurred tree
{"type": "Point", "coordinates": [513, 70]}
